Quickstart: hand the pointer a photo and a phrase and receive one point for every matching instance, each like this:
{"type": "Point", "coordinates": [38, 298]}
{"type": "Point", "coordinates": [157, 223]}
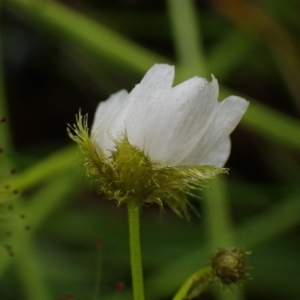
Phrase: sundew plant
{"type": "Point", "coordinates": [168, 188]}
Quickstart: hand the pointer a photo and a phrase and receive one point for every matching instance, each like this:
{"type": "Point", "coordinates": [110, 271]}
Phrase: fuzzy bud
{"type": "Point", "coordinates": [229, 265]}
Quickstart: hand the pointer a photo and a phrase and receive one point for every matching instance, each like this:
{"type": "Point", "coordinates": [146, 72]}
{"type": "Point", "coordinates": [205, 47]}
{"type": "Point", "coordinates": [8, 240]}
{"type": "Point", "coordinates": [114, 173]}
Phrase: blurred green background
{"type": "Point", "coordinates": [59, 56]}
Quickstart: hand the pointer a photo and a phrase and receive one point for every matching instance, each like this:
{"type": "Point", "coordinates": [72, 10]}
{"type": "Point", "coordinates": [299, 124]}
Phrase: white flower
{"type": "Point", "coordinates": [159, 144]}
{"type": "Point", "coordinates": [181, 125]}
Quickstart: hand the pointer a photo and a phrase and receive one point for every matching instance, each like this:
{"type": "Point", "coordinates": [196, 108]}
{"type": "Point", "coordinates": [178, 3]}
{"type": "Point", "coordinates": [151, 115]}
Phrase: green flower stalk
{"type": "Point", "coordinates": [158, 144]}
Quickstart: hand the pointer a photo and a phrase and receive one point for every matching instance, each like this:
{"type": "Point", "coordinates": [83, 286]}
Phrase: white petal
{"type": "Point", "coordinates": [165, 120]}
{"type": "Point", "coordinates": [107, 106]}
{"type": "Point", "coordinates": [184, 125]}
{"type": "Point", "coordinates": [141, 107]}
{"type": "Point", "coordinates": [185, 119]}
{"type": "Point", "coordinates": [228, 115]}
{"type": "Point", "coordinates": [219, 155]}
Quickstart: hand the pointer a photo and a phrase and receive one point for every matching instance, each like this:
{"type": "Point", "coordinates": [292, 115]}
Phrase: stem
{"type": "Point", "coordinates": [30, 273]}
{"type": "Point", "coordinates": [187, 37]}
{"type": "Point", "coordinates": [135, 252]}
{"type": "Point", "coordinates": [195, 284]}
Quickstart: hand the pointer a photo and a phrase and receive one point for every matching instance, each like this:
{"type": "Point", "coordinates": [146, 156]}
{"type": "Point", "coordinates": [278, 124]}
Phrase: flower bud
{"type": "Point", "coordinates": [229, 265]}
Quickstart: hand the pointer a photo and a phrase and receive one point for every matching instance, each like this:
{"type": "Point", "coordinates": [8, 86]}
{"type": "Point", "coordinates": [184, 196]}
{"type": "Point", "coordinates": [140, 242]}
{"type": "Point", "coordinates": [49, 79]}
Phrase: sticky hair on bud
{"type": "Point", "coordinates": [229, 266]}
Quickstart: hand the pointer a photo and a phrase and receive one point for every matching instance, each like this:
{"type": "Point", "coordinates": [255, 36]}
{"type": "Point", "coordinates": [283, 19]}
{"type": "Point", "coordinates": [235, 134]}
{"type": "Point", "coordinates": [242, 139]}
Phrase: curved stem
{"type": "Point", "coordinates": [135, 252]}
{"type": "Point", "coordinates": [195, 284]}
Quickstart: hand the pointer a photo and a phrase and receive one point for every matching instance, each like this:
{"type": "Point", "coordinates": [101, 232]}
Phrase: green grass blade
{"type": "Point", "coordinates": [88, 33]}
{"type": "Point", "coordinates": [187, 38]}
